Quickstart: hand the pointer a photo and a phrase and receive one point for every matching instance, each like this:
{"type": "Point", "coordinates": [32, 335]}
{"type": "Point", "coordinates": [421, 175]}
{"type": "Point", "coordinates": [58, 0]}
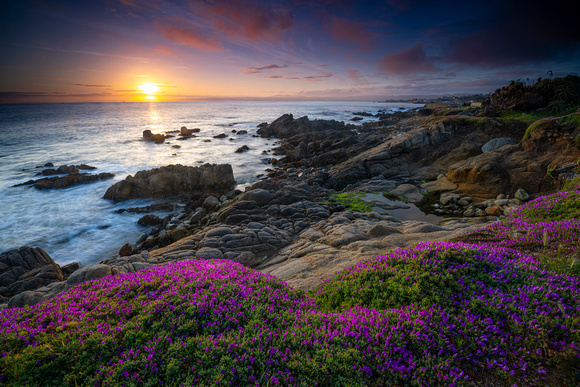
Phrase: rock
{"type": "Point", "coordinates": [379, 230]}
{"type": "Point", "coordinates": [301, 152]}
{"type": "Point", "coordinates": [174, 180]}
{"type": "Point", "coordinates": [126, 250]}
{"type": "Point", "coordinates": [286, 126]}
{"type": "Point", "coordinates": [27, 298]}
{"type": "Point", "coordinates": [469, 212]}
{"type": "Point", "coordinates": [438, 186]}
{"type": "Point", "coordinates": [150, 220]}
{"type": "Point", "coordinates": [70, 180]}
{"type": "Point", "coordinates": [260, 196]}
{"type": "Point", "coordinates": [240, 132]}
{"type": "Point", "coordinates": [67, 270]}
{"type": "Point", "coordinates": [25, 269]}
{"type": "Point", "coordinates": [142, 237]}
{"type": "Point", "coordinates": [184, 132]}
{"type": "Point", "coordinates": [208, 253]}
{"type": "Point", "coordinates": [412, 193]}
{"type": "Point", "coordinates": [88, 273]}
{"type": "Point", "coordinates": [36, 278]}
{"type": "Point", "coordinates": [448, 198]}
{"type": "Point", "coordinates": [242, 149]}
{"type": "Point", "coordinates": [211, 203]}
{"type": "Point", "coordinates": [501, 202]}
{"type": "Point", "coordinates": [219, 232]}
{"type": "Point", "coordinates": [198, 216]}
{"type": "Point", "coordinates": [247, 258]}
{"type": "Point", "coordinates": [221, 135]}
{"type": "Point", "coordinates": [157, 138]}
{"type": "Point", "coordinates": [522, 195]}
{"type": "Point", "coordinates": [494, 210]}
{"type": "Point", "coordinates": [496, 143]}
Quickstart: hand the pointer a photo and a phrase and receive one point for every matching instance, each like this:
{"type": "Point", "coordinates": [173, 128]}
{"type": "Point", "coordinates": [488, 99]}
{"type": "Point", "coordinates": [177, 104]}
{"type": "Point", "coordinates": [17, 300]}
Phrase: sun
{"type": "Point", "coordinates": [150, 89]}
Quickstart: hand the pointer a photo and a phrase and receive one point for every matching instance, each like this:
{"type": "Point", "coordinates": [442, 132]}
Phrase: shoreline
{"type": "Point", "coordinates": [308, 202]}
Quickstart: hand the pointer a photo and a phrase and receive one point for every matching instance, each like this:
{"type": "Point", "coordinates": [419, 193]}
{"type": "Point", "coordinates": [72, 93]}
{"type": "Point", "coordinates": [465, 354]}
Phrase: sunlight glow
{"type": "Point", "coordinates": [149, 88]}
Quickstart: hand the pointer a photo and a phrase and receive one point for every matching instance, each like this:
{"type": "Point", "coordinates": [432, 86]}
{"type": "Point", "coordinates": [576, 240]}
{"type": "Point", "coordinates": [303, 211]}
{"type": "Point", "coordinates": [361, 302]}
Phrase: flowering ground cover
{"type": "Point", "coordinates": [416, 316]}
{"type": "Point", "coordinates": [432, 314]}
{"type": "Point", "coordinates": [547, 227]}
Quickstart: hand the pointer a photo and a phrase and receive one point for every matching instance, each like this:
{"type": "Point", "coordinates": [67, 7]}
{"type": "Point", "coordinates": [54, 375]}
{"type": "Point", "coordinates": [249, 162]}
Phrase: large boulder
{"type": "Point", "coordinates": [89, 273]}
{"type": "Point", "coordinates": [26, 269]}
{"type": "Point", "coordinates": [174, 180]}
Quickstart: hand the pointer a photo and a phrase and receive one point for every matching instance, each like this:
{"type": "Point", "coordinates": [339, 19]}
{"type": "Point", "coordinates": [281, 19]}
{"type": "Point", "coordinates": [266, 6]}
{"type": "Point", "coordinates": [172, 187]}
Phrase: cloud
{"type": "Point", "coordinates": [186, 34]}
{"type": "Point", "coordinates": [318, 76]}
{"type": "Point", "coordinates": [90, 85]}
{"type": "Point", "coordinates": [163, 50]}
{"type": "Point", "coordinates": [345, 30]}
{"type": "Point", "coordinates": [409, 61]}
{"type": "Point", "coordinates": [259, 70]}
{"type": "Point", "coordinates": [356, 76]}
{"type": "Point", "coordinates": [243, 19]}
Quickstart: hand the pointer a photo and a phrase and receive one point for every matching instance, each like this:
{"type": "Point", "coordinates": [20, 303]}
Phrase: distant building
{"type": "Point", "coordinates": [476, 104]}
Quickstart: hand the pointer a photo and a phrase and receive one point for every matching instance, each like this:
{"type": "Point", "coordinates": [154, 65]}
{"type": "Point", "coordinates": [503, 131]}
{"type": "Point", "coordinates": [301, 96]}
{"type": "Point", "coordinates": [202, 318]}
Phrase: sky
{"type": "Point", "coordinates": [163, 50]}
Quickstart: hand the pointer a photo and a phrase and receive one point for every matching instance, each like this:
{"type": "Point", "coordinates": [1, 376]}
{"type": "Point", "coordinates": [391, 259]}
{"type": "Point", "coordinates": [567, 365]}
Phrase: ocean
{"type": "Point", "coordinates": [76, 224]}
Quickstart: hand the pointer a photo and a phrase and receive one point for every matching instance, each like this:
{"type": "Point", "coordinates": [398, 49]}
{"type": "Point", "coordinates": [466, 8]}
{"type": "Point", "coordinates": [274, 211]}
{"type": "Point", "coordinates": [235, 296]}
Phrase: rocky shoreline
{"type": "Point", "coordinates": [466, 168]}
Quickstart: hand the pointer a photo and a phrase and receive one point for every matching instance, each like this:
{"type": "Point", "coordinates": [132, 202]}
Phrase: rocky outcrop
{"type": "Point", "coordinates": [286, 126]}
{"type": "Point", "coordinates": [345, 239]}
{"type": "Point", "coordinates": [173, 181]}
{"type": "Point", "coordinates": [423, 152]}
{"type": "Point", "coordinates": [72, 176]}
{"type": "Point", "coordinates": [25, 270]}
{"type": "Point", "coordinates": [155, 137]}
{"type": "Point", "coordinates": [524, 165]}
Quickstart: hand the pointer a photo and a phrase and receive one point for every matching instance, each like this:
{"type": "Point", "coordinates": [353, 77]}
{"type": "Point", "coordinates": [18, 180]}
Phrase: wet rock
{"type": "Point", "coordinates": [157, 138]}
{"type": "Point", "coordinates": [70, 180]}
{"type": "Point", "coordinates": [242, 149]}
{"type": "Point", "coordinates": [150, 220]}
{"type": "Point", "coordinates": [221, 135]}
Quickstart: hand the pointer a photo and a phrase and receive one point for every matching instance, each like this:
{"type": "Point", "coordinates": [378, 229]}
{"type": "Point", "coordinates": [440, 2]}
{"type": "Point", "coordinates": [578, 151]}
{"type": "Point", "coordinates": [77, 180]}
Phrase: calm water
{"type": "Point", "coordinates": [77, 224]}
